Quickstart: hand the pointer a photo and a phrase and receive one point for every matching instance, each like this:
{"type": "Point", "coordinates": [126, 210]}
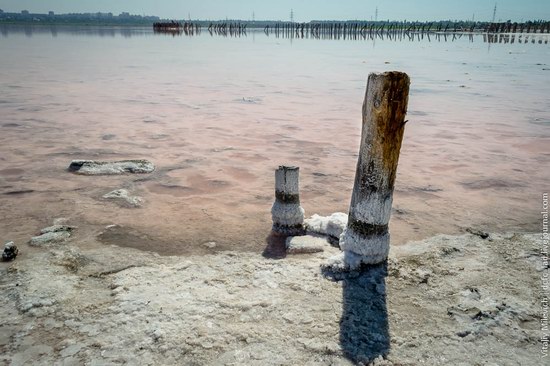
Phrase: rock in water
{"type": "Point", "coordinates": [50, 237]}
{"type": "Point", "coordinates": [92, 167]}
{"type": "Point", "coordinates": [56, 229]}
{"type": "Point", "coordinates": [10, 252]}
{"type": "Point", "coordinates": [122, 197]}
{"type": "Point", "coordinates": [52, 234]}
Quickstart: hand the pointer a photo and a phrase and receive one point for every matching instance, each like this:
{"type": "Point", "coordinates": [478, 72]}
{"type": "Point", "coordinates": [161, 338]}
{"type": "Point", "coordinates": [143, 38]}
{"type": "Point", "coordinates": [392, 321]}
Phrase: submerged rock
{"type": "Point", "coordinates": [56, 228]}
{"type": "Point", "coordinates": [92, 167]}
{"type": "Point", "coordinates": [122, 198]}
{"type": "Point", "coordinates": [10, 251]}
{"type": "Point", "coordinates": [50, 237]}
{"type": "Point", "coordinates": [52, 234]}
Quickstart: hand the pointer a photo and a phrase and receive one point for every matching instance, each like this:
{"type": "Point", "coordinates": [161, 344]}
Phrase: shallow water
{"type": "Point", "coordinates": [217, 115]}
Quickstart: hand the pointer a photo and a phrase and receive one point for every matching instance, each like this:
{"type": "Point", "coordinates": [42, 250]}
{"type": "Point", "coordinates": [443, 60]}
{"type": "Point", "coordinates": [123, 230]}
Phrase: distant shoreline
{"type": "Point", "coordinates": [128, 20]}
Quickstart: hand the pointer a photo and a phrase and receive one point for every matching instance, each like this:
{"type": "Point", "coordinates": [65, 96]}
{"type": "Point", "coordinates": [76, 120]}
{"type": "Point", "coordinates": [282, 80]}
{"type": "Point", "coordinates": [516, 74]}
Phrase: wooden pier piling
{"type": "Point", "coordinates": [358, 30]}
{"type": "Point", "coordinates": [287, 214]}
{"type": "Point", "coordinates": [366, 239]}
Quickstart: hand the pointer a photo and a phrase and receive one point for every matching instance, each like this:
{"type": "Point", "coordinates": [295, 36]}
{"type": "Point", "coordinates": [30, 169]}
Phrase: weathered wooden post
{"type": "Point", "coordinates": [287, 214]}
{"type": "Point", "coordinates": [366, 239]}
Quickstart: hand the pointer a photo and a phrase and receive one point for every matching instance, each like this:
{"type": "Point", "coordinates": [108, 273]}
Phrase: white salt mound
{"type": "Point", "coordinates": [332, 225]}
{"type": "Point", "coordinates": [305, 244]}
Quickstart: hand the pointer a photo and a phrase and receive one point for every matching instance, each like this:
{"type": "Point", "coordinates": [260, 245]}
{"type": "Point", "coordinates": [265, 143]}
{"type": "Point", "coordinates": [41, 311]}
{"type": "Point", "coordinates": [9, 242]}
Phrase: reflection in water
{"type": "Point", "coordinates": [229, 30]}
{"type": "Point", "coordinates": [54, 30]}
{"type": "Point", "coordinates": [175, 28]}
{"type": "Point", "coordinates": [170, 31]}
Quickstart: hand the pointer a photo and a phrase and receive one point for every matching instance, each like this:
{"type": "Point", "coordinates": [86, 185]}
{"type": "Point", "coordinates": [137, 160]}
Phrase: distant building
{"type": "Point", "coordinates": [25, 12]}
{"type": "Point", "coordinates": [1, 11]}
{"type": "Point", "coordinates": [51, 13]}
{"type": "Point", "coordinates": [124, 15]}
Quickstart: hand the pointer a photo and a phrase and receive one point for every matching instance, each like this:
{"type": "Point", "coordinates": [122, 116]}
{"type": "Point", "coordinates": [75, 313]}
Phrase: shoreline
{"type": "Point", "coordinates": [438, 300]}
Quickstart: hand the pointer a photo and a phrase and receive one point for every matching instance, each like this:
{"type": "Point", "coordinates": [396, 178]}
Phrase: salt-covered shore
{"type": "Point", "coordinates": [447, 300]}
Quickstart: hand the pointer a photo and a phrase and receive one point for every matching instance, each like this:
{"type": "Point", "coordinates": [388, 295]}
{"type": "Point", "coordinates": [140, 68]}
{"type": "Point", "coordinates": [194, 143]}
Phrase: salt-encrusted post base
{"type": "Point", "coordinates": [287, 214]}
{"type": "Point", "coordinates": [345, 261]}
{"type": "Point", "coordinates": [366, 239]}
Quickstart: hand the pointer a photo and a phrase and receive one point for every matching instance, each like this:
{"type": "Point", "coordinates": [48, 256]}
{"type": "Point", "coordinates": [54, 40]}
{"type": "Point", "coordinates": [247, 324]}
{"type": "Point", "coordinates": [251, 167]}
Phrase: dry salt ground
{"type": "Point", "coordinates": [448, 300]}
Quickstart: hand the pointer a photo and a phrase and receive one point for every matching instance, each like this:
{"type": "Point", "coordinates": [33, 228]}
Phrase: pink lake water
{"type": "Point", "coordinates": [217, 115]}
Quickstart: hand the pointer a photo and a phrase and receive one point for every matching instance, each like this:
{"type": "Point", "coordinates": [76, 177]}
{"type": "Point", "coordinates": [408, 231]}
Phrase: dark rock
{"type": "Point", "coordinates": [10, 252]}
{"type": "Point", "coordinates": [18, 192]}
{"type": "Point", "coordinates": [481, 234]}
{"type": "Point", "coordinates": [463, 333]}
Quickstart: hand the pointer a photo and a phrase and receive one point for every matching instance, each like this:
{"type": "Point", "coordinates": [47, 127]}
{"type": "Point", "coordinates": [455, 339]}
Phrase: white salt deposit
{"type": "Point", "coordinates": [305, 244]}
{"type": "Point", "coordinates": [332, 225]}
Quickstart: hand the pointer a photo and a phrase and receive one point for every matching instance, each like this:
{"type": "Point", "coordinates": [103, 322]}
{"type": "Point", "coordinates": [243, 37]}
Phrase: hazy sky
{"type": "Point", "coordinates": [304, 10]}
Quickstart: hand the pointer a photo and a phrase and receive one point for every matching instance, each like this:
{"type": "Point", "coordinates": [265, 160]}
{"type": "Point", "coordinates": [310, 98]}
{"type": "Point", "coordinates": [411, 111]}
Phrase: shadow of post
{"type": "Point", "coordinates": [364, 329]}
{"type": "Point", "coordinates": [275, 246]}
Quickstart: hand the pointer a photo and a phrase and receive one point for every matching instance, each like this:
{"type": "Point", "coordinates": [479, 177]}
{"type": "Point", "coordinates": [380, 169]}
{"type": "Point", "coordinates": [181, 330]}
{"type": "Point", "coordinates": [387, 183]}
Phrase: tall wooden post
{"type": "Point", "coordinates": [366, 239]}
{"type": "Point", "coordinates": [287, 214]}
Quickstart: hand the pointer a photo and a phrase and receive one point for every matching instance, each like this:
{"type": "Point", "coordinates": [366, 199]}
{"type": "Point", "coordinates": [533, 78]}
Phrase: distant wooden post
{"type": "Point", "coordinates": [366, 239]}
{"type": "Point", "coordinates": [287, 214]}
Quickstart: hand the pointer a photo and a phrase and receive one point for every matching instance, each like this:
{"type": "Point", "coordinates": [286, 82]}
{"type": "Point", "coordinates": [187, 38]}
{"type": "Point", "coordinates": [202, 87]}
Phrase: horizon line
{"type": "Point", "coordinates": [273, 20]}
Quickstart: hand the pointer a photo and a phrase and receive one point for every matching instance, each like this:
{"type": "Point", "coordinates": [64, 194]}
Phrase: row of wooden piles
{"type": "Point", "coordinates": [227, 29]}
{"type": "Point", "coordinates": [495, 32]}
{"type": "Point", "coordinates": [187, 28]}
{"type": "Point", "coordinates": [328, 30]}
{"type": "Point", "coordinates": [400, 35]}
